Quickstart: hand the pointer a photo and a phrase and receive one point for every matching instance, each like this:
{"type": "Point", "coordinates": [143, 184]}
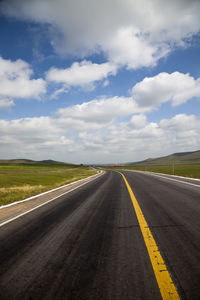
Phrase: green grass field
{"type": "Point", "coordinates": [186, 170]}
{"type": "Point", "coordinates": [20, 181]}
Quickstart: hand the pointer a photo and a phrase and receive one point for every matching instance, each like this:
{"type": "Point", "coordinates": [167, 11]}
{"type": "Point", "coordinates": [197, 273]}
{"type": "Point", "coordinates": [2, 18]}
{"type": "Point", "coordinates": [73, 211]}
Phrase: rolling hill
{"type": "Point", "coordinates": [176, 158]}
{"type": "Point", "coordinates": [32, 162]}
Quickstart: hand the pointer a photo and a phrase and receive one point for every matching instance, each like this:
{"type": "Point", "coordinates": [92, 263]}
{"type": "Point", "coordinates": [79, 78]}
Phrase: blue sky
{"type": "Point", "coordinates": [98, 82]}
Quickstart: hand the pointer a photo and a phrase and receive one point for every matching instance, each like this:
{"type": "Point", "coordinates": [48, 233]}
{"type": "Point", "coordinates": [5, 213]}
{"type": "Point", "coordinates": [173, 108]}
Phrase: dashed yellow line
{"type": "Point", "coordinates": [164, 280]}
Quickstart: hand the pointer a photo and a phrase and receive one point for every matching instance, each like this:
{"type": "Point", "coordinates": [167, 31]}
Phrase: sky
{"type": "Point", "coordinates": [88, 81]}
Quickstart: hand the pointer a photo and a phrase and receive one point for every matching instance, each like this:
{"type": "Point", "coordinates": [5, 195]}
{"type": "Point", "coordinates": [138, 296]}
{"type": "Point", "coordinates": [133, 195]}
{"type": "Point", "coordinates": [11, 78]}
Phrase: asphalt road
{"type": "Point", "coordinates": [88, 244]}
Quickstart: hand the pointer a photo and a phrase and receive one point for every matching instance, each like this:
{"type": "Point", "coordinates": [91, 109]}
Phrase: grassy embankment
{"type": "Point", "coordinates": [186, 170]}
{"type": "Point", "coordinates": [21, 181]}
{"type": "Point", "coordinates": [182, 164]}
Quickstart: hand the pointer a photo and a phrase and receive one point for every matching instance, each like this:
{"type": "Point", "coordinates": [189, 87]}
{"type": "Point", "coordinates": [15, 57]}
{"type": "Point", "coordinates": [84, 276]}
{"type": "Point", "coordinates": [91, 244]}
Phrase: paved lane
{"type": "Point", "coordinates": [88, 244]}
{"type": "Point", "coordinates": [172, 210]}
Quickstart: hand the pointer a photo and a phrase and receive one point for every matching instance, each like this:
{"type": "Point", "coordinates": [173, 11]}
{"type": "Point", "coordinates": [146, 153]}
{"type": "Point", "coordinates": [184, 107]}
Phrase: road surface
{"type": "Point", "coordinates": [88, 244]}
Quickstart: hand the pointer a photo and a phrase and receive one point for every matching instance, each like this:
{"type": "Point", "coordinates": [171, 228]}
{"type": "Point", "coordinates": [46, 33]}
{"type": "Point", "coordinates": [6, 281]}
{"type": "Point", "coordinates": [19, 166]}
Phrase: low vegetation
{"type": "Point", "coordinates": [185, 164]}
{"type": "Point", "coordinates": [186, 170]}
{"type": "Point", "coordinates": [20, 181]}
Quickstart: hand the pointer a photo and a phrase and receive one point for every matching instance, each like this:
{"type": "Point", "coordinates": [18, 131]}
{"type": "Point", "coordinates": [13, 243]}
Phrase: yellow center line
{"type": "Point", "coordinates": [164, 280]}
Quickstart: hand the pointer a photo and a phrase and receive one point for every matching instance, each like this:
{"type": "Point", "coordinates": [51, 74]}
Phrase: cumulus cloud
{"type": "Point", "coordinates": [175, 87]}
{"type": "Point", "coordinates": [77, 140]}
{"type": "Point", "coordinates": [103, 110]}
{"type": "Point", "coordinates": [16, 82]}
{"type": "Point", "coordinates": [82, 74]}
{"type": "Point", "coordinates": [132, 33]}
{"type": "Point", "coordinates": [131, 48]}
{"type": "Point", "coordinates": [138, 121]}
{"type": "Point", "coordinates": [181, 123]}
{"type": "Point", "coordinates": [182, 130]}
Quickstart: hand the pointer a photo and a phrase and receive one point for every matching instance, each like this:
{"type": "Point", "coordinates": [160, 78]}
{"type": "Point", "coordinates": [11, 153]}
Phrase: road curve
{"type": "Point", "coordinates": [88, 243]}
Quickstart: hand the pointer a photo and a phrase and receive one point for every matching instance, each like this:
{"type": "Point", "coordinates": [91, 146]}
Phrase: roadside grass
{"type": "Point", "coordinates": [186, 170]}
{"type": "Point", "coordinates": [18, 182]}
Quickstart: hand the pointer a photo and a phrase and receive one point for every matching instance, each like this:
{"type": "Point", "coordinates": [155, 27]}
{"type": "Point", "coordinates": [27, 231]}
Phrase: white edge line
{"type": "Point", "coordinates": [156, 174]}
{"type": "Point", "coordinates": [34, 208]}
{"type": "Point", "coordinates": [189, 178]}
{"type": "Point", "coordinates": [49, 191]}
{"type": "Point", "coordinates": [185, 182]}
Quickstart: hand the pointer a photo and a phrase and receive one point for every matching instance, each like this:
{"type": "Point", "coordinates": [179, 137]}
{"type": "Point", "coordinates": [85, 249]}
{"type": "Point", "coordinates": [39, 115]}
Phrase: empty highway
{"type": "Point", "coordinates": [125, 235]}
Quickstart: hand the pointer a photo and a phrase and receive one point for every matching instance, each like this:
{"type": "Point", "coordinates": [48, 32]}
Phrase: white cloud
{"type": "Point", "coordinates": [138, 121]}
{"type": "Point", "coordinates": [16, 82]}
{"type": "Point", "coordinates": [28, 137]}
{"type": "Point", "coordinates": [183, 131]}
{"type": "Point", "coordinates": [56, 93]}
{"type": "Point", "coordinates": [6, 103]}
{"type": "Point", "coordinates": [181, 123]}
{"type": "Point", "coordinates": [132, 33]}
{"type": "Point", "coordinates": [82, 74]}
{"type": "Point", "coordinates": [75, 136]}
{"type": "Point", "coordinates": [106, 83]}
{"type": "Point", "coordinates": [175, 87]}
{"type": "Point", "coordinates": [103, 110]}
{"type": "Point", "coordinates": [130, 48]}
{"type": "Point", "coordinates": [127, 33]}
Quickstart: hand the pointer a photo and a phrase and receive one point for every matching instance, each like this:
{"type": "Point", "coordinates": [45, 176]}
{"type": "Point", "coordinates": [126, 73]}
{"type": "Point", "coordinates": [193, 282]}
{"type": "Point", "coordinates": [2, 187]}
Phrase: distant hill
{"type": "Point", "coordinates": [32, 162]}
{"type": "Point", "coordinates": [177, 158]}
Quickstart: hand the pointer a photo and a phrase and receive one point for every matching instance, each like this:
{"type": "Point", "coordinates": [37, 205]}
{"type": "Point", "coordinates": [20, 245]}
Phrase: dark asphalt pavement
{"type": "Point", "coordinates": [88, 244]}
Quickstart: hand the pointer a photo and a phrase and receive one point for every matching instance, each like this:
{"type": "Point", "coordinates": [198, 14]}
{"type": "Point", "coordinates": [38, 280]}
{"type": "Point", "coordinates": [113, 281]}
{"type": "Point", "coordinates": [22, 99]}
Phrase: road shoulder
{"type": "Point", "coordinates": [18, 209]}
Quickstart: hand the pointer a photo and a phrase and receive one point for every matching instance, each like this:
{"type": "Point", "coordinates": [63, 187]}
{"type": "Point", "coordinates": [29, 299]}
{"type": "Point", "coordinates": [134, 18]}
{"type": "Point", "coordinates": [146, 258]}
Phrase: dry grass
{"type": "Point", "coordinates": [18, 182]}
{"type": "Point", "coordinates": [24, 188]}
